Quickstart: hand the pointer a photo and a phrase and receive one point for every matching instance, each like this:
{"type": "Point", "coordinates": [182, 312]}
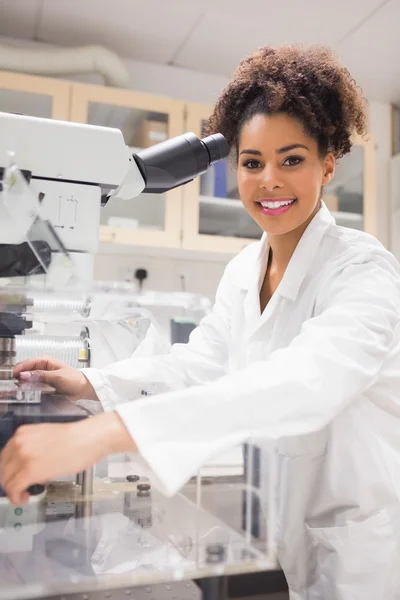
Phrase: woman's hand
{"type": "Point", "coordinates": [39, 453]}
{"type": "Point", "coordinates": [67, 381]}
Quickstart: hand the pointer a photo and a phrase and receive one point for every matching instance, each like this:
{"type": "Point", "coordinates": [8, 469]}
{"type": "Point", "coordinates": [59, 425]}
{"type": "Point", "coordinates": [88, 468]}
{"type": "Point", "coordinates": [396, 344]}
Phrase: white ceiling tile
{"type": "Point", "coordinates": [18, 18]}
{"type": "Point", "coordinates": [227, 33]}
{"type": "Point", "coordinates": [298, 18]}
{"type": "Point", "coordinates": [150, 30]}
{"type": "Point", "coordinates": [372, 54]}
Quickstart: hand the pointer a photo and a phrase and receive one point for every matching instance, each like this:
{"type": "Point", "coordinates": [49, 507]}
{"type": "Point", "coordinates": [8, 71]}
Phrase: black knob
{"type": "Point", "coordinates": [141, 275]}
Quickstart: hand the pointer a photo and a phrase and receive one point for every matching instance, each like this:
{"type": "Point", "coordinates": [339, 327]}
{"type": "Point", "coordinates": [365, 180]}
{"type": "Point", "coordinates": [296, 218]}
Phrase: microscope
{"type": "Point", "coordinates": [55, 177]}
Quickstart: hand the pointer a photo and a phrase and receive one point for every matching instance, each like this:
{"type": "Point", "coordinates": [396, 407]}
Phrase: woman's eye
{"type": "Point", "coordinates": [251, 164]}
{"type": "Point", "coordinates": [292, 161]}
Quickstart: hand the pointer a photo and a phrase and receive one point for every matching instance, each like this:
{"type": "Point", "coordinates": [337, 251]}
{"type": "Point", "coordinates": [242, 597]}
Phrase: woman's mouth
{"type": "Point", "coordinates": [277, 206]}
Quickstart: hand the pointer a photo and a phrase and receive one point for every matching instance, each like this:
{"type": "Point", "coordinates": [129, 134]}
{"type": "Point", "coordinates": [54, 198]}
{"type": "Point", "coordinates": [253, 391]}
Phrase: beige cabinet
{"type": "Point", "coordinates": [352, 194]}
{"type": "Point", "coordinates": [34, 96]}
{"type": "Point", "coordinates": [148, 219]}
{"type": "Point", "coordinates": [214, 218]}
{"type": "Point", "coordinates": [206, 214]}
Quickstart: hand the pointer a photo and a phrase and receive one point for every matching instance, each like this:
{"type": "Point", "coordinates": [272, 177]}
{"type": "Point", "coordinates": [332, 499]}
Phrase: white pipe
{"type": "Point", "coordinates": [66, 61]}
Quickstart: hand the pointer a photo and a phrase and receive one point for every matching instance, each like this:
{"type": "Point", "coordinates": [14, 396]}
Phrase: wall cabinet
{"type": "Point", "coordinates": [34, 96]}
{"type": "Point", "coordinates": [206, 214]}
{"type": "Point", "coordinates": [149, 219]}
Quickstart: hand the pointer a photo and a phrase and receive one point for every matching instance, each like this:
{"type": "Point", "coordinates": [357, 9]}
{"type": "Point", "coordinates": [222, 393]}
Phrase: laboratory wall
{"type": "Point", "coordinates": [164, 274]}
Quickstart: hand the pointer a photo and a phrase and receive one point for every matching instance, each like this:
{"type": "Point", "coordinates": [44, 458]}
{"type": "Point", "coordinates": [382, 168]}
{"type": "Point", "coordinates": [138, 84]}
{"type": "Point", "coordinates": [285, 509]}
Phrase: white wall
{"type": "Point", "coordinates": [175, 82]}
{"type": "Point", "coordinates": [380, 128]}
{"type": "Point", "coordinates": [163, 80]}
{"type": "Point", "coordinates": [164, 273]}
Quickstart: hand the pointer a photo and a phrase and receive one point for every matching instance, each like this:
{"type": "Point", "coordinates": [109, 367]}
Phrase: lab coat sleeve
{"type": "Point", "coordinates": [297, 390]}
{"type": "Point", "coordinates": [202, 360]}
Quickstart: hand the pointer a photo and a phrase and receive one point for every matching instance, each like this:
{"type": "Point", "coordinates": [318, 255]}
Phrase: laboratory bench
{"type": "Point", "coordinates": [119, 536]}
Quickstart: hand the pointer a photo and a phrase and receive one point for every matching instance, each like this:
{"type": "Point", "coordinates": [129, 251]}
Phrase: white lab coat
{"type": "Point", "coordinates": [319, 371]}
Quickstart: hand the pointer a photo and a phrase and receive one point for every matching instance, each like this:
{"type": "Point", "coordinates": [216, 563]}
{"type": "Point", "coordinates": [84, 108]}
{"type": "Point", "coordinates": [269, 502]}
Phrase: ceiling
{"type": "Point", "coordinates": [213, 35]}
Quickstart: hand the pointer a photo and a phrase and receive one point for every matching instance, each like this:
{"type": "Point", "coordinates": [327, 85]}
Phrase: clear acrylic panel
{"type": "Point", "coordinates": [26, 103]}
{"type": "Point", "coordinates": [141, 129]}
{"type": "Point", "coordinates": [221, 211]}
{"type": "Point", "coordinates": [126, 533]}
{"type": "Point", "coordinates": [344, 196]}
{"type": "Point", "coordinates": [23, 224]}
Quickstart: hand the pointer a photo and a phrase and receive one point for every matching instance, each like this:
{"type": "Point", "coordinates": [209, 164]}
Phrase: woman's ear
{"type": "Point", "coordinates": [328, 168]}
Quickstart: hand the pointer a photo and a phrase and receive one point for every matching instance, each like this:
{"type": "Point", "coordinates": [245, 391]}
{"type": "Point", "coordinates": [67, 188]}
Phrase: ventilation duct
{"type": "Point", "coordinates": [66, 61]}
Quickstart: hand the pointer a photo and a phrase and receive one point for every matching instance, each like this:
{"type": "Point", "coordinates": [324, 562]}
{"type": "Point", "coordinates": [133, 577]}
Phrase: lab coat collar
{"type": "Point", "coordinates": [300, 262]}
{"type": "Point", "coordinates": [304, 254]}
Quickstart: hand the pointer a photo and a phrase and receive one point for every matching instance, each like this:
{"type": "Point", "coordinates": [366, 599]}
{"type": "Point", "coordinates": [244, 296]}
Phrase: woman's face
{"type": "Point", "coordinates": [280, 172]}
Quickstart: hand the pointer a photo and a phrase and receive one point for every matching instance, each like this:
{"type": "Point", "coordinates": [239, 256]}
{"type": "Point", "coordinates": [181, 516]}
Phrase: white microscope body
{"type": "Point", "coordinates": [74, 168]}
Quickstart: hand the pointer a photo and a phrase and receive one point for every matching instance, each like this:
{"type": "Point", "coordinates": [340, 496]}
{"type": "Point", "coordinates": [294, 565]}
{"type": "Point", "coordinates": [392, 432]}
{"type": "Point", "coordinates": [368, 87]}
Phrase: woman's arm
{"type": "Point", "coordinates": [299, 389]}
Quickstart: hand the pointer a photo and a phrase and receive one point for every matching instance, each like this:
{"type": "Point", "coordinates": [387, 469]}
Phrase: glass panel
{"type": "Point", "coordinates": [221, 211]}
{"type": "Point", "coordinates": [26, 103]}
{"type": "Point", "coordinates": [141, 129]}
{"type": "Point", "coordinates": [344, 196]}
{"type": "Point", "coordinates": [125, 533]}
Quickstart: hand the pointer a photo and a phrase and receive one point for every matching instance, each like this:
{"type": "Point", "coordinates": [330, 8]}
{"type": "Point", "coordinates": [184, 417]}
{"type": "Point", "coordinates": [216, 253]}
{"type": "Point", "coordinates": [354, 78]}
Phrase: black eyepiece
{"type": "Point", "coordinates": [179, 160]}
{"type": "Point", "coordinates": [217, 147]}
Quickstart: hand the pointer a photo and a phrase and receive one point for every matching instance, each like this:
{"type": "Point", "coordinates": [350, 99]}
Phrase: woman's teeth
{"type": "Point", "coordinates": [276, 203]}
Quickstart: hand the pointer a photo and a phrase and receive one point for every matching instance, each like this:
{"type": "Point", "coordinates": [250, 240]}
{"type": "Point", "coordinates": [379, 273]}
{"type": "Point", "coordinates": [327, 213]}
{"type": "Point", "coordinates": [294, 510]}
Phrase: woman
{"type": "Point", "coordinates": [303, 343]}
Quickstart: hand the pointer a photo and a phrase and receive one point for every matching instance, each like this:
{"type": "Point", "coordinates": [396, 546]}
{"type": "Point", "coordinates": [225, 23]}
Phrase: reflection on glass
{"type": "Point", "coordinates": [225, 217]}
{"type": "Point", "coordinates": [146, 211]}
{"type": "Point", "coordinates": [344, 196]}
{"type": "Point", "coordinates": [221, 211]}
{"type": "Point", "coordinates": [141, 129]}
{"type": "Point", "coordinates": [26, 103]}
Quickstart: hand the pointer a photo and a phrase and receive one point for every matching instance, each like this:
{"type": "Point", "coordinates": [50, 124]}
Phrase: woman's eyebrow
{"type": "Point", "coordinates": [279, 151]}
{"type": "Point", "coordinates": [250, 151]}
{"type": "Point", "coordinates": [291, 147]}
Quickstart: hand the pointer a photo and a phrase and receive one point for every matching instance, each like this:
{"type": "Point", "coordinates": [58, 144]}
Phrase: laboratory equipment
{"type": "Point", "coordinates": [71, 170]}
{"type": "Point", "coordinates": [55, 177]}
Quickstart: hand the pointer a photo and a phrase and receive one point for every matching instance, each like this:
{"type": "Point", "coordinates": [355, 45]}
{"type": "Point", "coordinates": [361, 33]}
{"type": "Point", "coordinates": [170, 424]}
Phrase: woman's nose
{"type": "Point", "coordinates": [270, 178]}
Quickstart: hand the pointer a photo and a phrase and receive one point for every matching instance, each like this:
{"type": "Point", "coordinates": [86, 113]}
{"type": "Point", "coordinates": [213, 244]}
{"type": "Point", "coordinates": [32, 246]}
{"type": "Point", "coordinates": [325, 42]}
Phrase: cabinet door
{"type": "Point", "coordinates": [351, 195]}
{"type": "Point", "coordinates": [148, 219]}
{"type": "Point", "coordinates": [214, 218]}
{"type": "Point", "coordinates": [34, 96]}
{"type": "Point", "coordinates": [394, 207]}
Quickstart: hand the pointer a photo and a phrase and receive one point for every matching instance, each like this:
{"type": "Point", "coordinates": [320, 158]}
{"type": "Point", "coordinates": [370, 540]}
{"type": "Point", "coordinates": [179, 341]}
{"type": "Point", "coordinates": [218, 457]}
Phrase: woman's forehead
{"type": "Point", "coordinates": [275, 131]}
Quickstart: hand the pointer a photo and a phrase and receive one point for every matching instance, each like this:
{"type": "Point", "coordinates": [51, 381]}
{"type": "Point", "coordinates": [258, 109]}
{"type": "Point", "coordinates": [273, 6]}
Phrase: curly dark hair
{"type": "Point", "coordinates": [308, 83]}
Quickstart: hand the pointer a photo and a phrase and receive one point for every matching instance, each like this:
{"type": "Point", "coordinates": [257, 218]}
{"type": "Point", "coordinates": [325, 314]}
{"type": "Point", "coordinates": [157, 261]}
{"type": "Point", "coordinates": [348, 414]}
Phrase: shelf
{"type": "Point", "coordinates": [222, 203]}
{"type": "Point", "coordinates": [347, 219]}
{"type": "Point", "coordinates": [216, 213]}
{"type": "Point", "coordinates": [146, 211]}
{"type": "Point", "coordinates": [226, 217]}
